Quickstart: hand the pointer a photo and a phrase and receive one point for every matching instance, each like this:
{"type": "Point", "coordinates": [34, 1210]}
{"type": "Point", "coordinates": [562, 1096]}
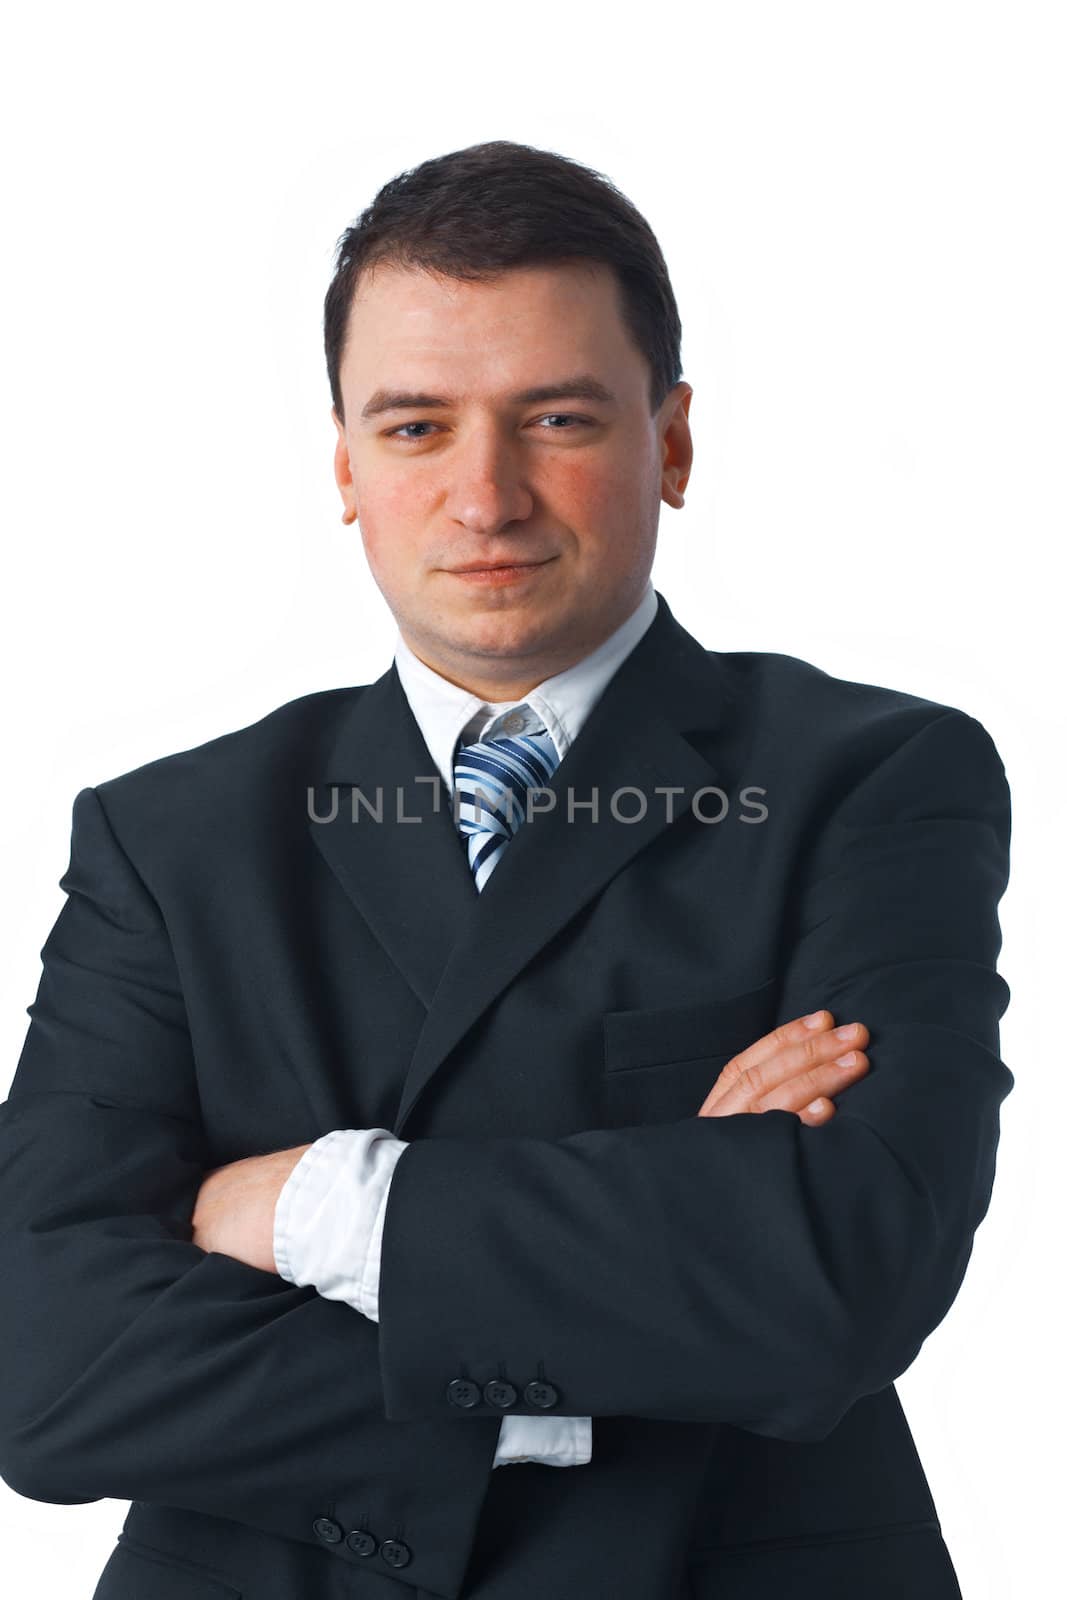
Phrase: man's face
{"type": "Point", "coordinates": [566, 487]}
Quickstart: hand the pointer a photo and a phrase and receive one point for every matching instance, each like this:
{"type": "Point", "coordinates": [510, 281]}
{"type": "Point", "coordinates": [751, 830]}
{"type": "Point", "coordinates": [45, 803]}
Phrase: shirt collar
{"type": "Point", "coordinates": [446, 712]}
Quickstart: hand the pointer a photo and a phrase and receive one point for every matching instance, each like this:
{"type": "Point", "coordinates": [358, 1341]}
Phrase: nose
{"type": "Point", "coordinates": [487, 489]}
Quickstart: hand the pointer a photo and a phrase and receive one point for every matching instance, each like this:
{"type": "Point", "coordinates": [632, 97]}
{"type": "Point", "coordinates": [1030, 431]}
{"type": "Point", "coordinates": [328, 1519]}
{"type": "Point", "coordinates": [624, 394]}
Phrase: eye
{"type": "Point", "coordinates": [399, 432]}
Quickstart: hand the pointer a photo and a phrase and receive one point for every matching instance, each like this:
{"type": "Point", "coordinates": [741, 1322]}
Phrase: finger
{"type": "Point", "coordinates": [755, 1073]}
{"type": "Point", "coordinates": [818, 1112]}
{"type": "Point", "coordinates": [824, 1081]}
{"type": "Point", "coordinates": [821, 1110]}
{"type": "Point", "coordinates": [770, 1088]}
{"type": "Point", "coordinates": [797, 1033]}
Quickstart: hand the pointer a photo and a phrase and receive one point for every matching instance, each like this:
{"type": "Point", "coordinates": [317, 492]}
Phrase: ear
{"type": "Point", "coordinates": [342, 470]}
{"type": "Point", "coordinates": [677, 445]}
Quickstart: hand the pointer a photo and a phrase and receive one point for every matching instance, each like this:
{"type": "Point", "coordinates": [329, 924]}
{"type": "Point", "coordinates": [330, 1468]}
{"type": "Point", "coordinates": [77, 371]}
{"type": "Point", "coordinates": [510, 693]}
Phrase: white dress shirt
{"type": "Point", "coordinates": [330, 1215]}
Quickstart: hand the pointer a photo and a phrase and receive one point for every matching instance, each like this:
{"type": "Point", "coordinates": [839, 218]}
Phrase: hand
{"type": "Point", "coordinates": [793, 1068]}
{"type": "Point", "coordinates": [234, 1211]}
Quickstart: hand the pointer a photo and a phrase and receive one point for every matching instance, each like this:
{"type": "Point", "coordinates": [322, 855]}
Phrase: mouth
{"type": "Point", "coordinates": [498, 566]}
{"type": "Point", "coordinates": [498, 571]}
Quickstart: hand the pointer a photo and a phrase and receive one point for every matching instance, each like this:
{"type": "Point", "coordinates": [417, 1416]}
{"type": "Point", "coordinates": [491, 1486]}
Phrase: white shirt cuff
{"type": "Point", "coordinates": [329, 1216]}
{"type": "Point", "coordinates": [553, 1441]}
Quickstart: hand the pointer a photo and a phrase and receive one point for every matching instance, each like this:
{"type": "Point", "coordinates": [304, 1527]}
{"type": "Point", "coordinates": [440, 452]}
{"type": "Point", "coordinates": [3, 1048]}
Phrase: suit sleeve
{"type": "Point", "coordinates": [133, 1365]}
{"type": "Point", "coordinates": [327, 1233]}
{"type": "Point", "coordinates": [749, 1269]}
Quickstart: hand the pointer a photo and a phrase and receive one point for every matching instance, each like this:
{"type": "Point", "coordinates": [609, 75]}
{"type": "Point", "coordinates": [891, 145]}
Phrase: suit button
{"type": "Point", "coordinates": [329, 1530]}
{"type": "Point", "coordinates": [396, 1553]}
{"type": "Point", "coordinates": [500, 1393]}
{"type": "Point", "coordinates": [462, 1392]}
{"type": "Point", "coordinates": [541, 1394]}
{"type": "Point", "coordinates": [363, 1543]}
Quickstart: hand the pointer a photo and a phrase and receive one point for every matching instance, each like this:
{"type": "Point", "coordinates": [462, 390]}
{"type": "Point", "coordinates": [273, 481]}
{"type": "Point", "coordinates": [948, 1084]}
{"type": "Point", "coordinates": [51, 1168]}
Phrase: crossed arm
{"type": "Point", "coordinates": [800, 1066]}
{"type": "Point", "coordinates": [796, 1266]}
{"type": "Point", "coordinates": [786, 1269]}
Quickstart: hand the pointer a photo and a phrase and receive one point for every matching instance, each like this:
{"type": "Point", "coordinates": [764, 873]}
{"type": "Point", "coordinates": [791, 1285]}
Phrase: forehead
{"type": "Point", "coordinates": [406, 323]}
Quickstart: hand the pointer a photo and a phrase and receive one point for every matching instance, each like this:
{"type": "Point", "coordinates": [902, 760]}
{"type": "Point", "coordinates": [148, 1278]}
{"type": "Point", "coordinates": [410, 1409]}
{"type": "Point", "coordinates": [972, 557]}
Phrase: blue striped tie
{"type": "Point", "coordinates": [491, 779]}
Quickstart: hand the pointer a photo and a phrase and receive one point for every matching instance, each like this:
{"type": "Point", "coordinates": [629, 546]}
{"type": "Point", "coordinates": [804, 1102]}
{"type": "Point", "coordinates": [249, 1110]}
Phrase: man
{"type": "Point", "coordinates": [384, 1199]}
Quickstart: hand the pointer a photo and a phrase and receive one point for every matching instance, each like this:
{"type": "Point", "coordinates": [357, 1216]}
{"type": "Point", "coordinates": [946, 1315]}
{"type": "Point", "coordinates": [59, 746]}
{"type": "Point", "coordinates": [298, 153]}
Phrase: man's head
{"type": "Point", "coordinates": [463, 297]}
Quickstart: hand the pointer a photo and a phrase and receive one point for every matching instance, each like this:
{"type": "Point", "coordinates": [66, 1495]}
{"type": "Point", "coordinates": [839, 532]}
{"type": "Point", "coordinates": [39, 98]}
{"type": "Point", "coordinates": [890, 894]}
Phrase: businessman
{"type": "Point", "coordinates": [435, 1164]}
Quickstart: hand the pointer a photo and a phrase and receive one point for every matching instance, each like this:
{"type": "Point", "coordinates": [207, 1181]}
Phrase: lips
{"type": "Point", "coordinates": [496, 566]}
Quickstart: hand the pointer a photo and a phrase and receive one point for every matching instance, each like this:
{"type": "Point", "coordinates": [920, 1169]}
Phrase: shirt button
{"type": "Point", "coordinates": [329, 1530]}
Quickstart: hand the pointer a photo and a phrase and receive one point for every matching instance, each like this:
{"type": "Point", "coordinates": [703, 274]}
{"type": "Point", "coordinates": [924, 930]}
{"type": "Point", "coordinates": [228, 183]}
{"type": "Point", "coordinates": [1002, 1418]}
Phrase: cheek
{"type": "Point", "coordinates": [603, 498]}
{"type": "Point", "coordinates": [391, 516]}
{"type": "Point", "coordinates": [582, 490]}
{"type": "Point", "coordinates": [398, 501]}
{"type": "Point", "coordinates": [591, 482]}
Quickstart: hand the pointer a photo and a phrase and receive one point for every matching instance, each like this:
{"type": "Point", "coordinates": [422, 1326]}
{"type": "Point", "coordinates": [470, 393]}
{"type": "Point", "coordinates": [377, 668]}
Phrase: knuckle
{"type": "Point", "coordinates": [813, 1085]}
{"type": "Point", "coordinates": [730, 1074]}
{"type": "Point", "coordinates": [752, 1081]}
{"type": "Point", "coordinates": [816, 1046]}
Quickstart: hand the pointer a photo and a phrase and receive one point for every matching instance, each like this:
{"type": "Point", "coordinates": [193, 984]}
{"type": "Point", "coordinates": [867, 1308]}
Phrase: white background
{"type": "Point", "coordinates": [862, 209]}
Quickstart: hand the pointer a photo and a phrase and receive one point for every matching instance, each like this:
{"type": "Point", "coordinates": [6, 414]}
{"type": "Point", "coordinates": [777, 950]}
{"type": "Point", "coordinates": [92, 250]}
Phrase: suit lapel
{"type": "Point", "coordinates": [459, 950]}
{"type": "Point", "coordinates": [409, 879]}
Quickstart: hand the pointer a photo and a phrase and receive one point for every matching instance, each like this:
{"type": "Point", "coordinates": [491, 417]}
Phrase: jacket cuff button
{"type": "Point", "coordinates": [395, 1552]}
{"type": "Point", "coordinates": [462, 1392]}
{"type": "Point", "coordinates": [541, 1394]}
{"type": "Point", "coordinates": [362, 1542]}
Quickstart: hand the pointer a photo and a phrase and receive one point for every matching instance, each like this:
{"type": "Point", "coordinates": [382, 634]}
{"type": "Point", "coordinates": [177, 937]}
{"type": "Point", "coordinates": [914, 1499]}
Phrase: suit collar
{"type": "Point", "coordinates": [408, 874]}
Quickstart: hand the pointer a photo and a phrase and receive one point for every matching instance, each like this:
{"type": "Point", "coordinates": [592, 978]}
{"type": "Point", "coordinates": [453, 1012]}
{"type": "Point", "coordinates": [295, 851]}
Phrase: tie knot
{"type": "Point", "coordinates": [492, 781]}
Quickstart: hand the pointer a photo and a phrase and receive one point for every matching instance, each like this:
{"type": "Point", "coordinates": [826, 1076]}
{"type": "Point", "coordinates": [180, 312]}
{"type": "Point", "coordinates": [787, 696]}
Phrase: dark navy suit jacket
{"type": "Point", "coordinates": [240, 967]}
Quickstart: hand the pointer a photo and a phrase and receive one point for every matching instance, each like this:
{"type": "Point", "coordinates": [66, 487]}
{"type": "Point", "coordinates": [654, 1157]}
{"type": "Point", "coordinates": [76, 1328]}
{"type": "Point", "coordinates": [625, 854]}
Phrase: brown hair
{"type": "Point", "coordinates": [474, 213]}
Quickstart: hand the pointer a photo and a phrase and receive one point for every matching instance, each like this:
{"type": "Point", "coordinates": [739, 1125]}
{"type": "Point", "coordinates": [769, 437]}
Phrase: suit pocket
{"type": "Point", "coordinates": [136, 1572]}
{"type": "Point", "coordinates": [660, 1062]}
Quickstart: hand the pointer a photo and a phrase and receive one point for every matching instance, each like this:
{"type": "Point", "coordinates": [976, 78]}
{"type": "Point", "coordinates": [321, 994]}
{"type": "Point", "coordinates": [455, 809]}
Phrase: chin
{"type": "Point", "coordinates": [504, 630]}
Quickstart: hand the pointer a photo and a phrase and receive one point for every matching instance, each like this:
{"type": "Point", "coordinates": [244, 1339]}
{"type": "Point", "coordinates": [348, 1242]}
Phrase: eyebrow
{"type": "Point", "coordinates": [584, 386]}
